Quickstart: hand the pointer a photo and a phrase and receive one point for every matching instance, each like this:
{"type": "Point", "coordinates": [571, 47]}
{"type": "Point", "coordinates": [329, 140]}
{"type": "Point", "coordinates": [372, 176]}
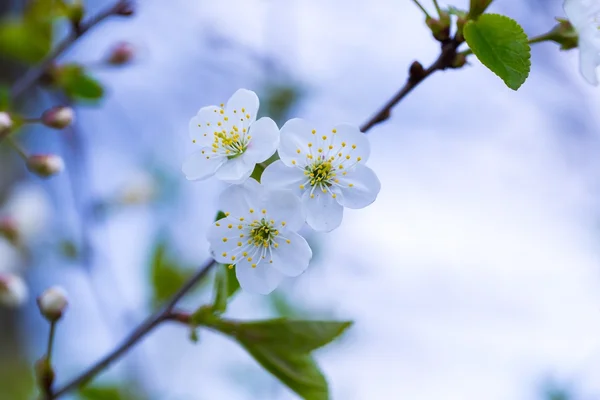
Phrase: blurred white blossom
{"type": "Point", "coordinates": [13, 290]}
{"type": "Point", "coordinates": [53, 302]}
{"type": "Point", "coordinates": [29, 209]}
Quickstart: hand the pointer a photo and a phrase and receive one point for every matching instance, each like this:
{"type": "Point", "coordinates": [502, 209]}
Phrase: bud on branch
{"type": "Point", "coordinates": [45, 165]}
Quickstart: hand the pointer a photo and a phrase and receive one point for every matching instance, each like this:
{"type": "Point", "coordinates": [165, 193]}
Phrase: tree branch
{"type": "Point", "coordinates": [137, 335]}
{"type": "Point", "coordinates": [24, 83]}
{"type": "Point", "coordinates": [416, 75]}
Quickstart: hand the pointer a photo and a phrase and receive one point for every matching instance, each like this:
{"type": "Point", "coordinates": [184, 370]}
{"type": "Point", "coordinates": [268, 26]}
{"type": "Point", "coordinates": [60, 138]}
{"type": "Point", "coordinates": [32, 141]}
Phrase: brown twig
{"type": "Point", "coordinates": [137, 335]}
{"type": "Point", "coordinates": [33, 75]}
{"type": "Point", "coordinates": [416, 75]}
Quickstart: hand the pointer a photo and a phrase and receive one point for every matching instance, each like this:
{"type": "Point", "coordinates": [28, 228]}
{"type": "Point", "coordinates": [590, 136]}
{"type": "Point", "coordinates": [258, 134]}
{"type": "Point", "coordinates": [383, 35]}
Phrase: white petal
{"type": "Point", "coordinates": [581, 12]}
{"type": "Point", "coordinates": [284, 206]}
{"type": "Point", "coordinates": [237, 200]}
{"type": "Point", "coordinates": [364, 190]}
{"type": "Point", "coordinates": [295, 135]}
{"type": "Point", "coordinates": [219, 247]}
{"type": "Point", "coordinates": [243, 99]}
{"type": "Point", "coordinates": [292, 258]}
{"type": "Point", "coordinates": [589, 60]}
{"type": "Point", "coordinates": [199, 127]}
{"type": "Point", "coordinates": [264, 140]}
{"type": "Point", "coordinates": [262, 280]}
{"type": "Point", "coordinates": [356, 142]}
{"type": "Point", "coordinates": [236, 170]}
{"type": "Point", "coordinates": [323, 213]}
{"type": "Point", "coordinates": [279, 176]}
{"type": "Point", "coordinates": [201, 166]}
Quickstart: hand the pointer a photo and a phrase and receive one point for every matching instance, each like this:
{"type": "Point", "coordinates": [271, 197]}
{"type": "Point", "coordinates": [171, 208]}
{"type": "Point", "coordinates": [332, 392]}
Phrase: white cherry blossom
{"type": "Point", "coordinates": [258, 236]}
{"type": "Point", "coordinates": [584, 15]}
{"type": "Point", "coordinates": [231, 140]}
{"type": "Point", "coordinates": [325, 169]}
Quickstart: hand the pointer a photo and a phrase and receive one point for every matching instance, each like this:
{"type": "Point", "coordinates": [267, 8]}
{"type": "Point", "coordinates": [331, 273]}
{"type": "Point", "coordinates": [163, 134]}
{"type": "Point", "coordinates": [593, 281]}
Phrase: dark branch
{"type": "Point", "coordinates": [416, 75]}
{"type": "Point", "coordinates": [137, 335]}
{"type": "Point", "coordinates": [23, 84]}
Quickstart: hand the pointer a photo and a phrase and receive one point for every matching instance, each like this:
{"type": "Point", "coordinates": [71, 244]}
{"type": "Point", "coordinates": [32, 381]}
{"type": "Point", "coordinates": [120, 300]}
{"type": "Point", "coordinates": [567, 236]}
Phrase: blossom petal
{"type": "Point", "coordinates": [236, 170]}
{"type": "Point", "coordinates": [279, 176]}
{"type": "Point", "coordinates": [323, 212]}
{"type": "Point", "coordinates": [589, 60]}
{"type": "Point", "coordinates": [262, 279]}
{"type": "Point", "coordinates": [364, 190]}
{"type": "Point", "coordinates": [349, 140]}
{"type": "Point", "coordinates": [295, 136]}
{"type": "Point", "coordinates": [243, 99]}
{"type": "Point", "coordinates": [581, 12]}
{"type": "Point", "coordinates": [292, 258]}
{"type": "Point", "coordinates": [199, 165]}
{"type": "Point", "coordinates": [264, 140]}
{"type": "Point", "coordinates": [222, 240]}
{"type": "Point", "coordinates": [284, 206]}
{"type": "Point", "coordinates": [237, 200]}
{"type": "Point", "coordinates": [203, 125]}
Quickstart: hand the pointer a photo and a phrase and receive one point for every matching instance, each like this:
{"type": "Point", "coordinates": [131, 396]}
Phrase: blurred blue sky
{"type": "Point", "coordinates": [475, 273]}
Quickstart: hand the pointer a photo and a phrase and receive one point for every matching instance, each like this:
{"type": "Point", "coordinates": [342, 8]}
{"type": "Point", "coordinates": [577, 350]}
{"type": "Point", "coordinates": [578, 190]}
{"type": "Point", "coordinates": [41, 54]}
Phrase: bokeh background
{"type": "Point", "coordinates": [475, 274]}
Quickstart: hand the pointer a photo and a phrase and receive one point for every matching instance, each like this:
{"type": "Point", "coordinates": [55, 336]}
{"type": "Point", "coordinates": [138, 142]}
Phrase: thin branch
{"type": "Point", "coordinates": [137, 335]}
{"type": "Point", "coordinates": [33, 75]}
{"type": "Point", "coordinates": [416, 76]}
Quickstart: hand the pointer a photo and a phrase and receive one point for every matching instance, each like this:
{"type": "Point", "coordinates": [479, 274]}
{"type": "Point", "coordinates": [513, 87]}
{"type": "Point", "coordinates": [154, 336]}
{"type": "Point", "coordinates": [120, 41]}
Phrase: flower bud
{"type": "Point", "coordinates": [76, 11]}
{"type": "Point", "coordinates": [13, 291]}
{"type": "Point", "coordinates": [564, 34]}
{"type": "Point", "coordinates": [121, 54]}
{"type": "Point", "coordinates": [440, 28]}
{"type": "Point", "coordinates": [126, 8]}
{"type": "Point", "coordinates": [52, 303]}
{"type": "Point", "coordinates": [459, 61]}
{"type": "Point", "coordinates": [5, 123]}
{"type": "Point", "coordinates": [9, 229]}
{"type": "Point", "coordinates": [45, 165]}
{"type": "Point", "coordinates": [478, 7]}
{"type": "Point", "coordinates": [58, 117]}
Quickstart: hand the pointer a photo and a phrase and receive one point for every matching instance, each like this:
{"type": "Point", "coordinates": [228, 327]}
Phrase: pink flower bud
{"type": "Point", "coordinates": [9, 229]}
{"type": "Point", "coordinates": [5, 123]}
{"type": "Point", "coordinates": [45, 165]}
{"type": "Point", "coordinates": [121, 54]}
{"type": "Point", "coordinates": [52, 303]}
{"type": "Point", "coordinates": [13, 291]}
{"type": "Point", "coordinates": [58, 117]}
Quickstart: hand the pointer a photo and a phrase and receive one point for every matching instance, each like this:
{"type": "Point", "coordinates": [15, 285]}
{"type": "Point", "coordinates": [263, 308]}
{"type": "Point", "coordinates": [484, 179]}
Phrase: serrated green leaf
{"type": "Point", "coordinates": [297, 371]}
{"type": "Point", "coordinates": [500, 43]}
{"type": "Point", "coordinates": [291, 335]}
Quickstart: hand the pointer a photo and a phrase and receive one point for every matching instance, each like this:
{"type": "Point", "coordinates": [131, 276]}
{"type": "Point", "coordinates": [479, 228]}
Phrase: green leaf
{"type": "Point", "coordinates": [292, 335]}
{"type": "Point", "coordinates": [500, 43]}
{"type": "Point", "coordinates": [77, 84]}
{"type": "Point", "coordinates": [166, 275]}
{"type": "Point", "coordinates": [298, 371]}
{"type": "Point", "coordinates": [29, 39]}
{"type": "Point", "coordinates": [101, 393]}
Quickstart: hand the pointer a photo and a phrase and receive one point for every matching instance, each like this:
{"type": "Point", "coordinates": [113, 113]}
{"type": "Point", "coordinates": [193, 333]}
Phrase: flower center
{"type": "Point", "coordinates": [262, 233]}
{"type": "Point", "coordinates": [231, 143]}
{"type": "Point", "coordinates": [320, 173]}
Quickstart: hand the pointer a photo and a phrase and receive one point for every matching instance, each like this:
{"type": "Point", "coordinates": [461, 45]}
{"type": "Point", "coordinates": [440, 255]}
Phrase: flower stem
{"type": "Point", "coordinates": [437, 7]}
{"type": "Point", "coordinates": [18, 148]}
{"type": "Point", "coordinates": [422, 8]}
{"type": "Point", "coordinates": [51, 342]}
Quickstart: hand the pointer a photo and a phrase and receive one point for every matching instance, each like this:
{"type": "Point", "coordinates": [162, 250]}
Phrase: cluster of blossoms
{"type": "Point", "coordinates": [319, 172]}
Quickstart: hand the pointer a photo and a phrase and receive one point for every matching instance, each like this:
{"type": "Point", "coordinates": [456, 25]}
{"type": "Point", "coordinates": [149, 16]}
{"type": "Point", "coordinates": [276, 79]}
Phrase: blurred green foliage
{"type": "Point", "coordinates": [166, 274]}
{"type": "Point", "coordinates": [76, 83]}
